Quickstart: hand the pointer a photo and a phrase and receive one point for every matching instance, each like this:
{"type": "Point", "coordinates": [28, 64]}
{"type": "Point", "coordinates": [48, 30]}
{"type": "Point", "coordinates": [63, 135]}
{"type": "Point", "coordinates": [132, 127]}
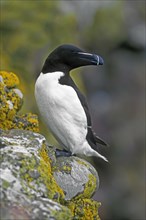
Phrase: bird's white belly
{"type": "Point", "coordinates": [62, 111]}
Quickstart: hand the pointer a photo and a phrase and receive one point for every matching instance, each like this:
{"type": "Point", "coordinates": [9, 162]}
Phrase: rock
{"type": "Point", "coordinates": [40, 208]}
{"type": "Point", "coordinates": [37, 185]}
{"type": "Point", "coordinates": [11, 100]}
{"type": "Point", "coordinates": [26, 166]}
{"type": "Point", "coordinates": [28, 185]}
{"type": "Point", "coordinates": [79, 180]}
{"type": "Point", "coordinates": [76, 177]}
{"type": "Point", "coordinates": [84, 209]}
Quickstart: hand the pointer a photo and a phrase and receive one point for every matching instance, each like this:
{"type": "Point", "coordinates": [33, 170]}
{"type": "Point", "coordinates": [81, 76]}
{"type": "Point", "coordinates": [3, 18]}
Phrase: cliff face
{"type": "Point", "coordinates": [35, 184]}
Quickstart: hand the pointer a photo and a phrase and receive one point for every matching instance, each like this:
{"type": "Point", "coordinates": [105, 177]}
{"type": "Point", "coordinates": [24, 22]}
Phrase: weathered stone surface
{"type": "Point", "coordinates": [40, 208]}
{"type": "Point", "coordinates": [76, 177]}
{"type": "Point", "coordinates": [26, 179]}
{"type": "Point", "coordinates": [37, 185]}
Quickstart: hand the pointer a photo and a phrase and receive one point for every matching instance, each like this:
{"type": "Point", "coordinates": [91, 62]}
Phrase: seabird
{"type": "Point", "coordinates": [62, 105]}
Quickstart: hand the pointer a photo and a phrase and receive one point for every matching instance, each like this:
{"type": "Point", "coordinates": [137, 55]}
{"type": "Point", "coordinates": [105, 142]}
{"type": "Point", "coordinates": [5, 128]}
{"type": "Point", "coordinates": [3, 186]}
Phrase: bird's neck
{"type": "Point", "coordinates": [57, 67]}
{"type": "Point", "coordinates": [65, 80]}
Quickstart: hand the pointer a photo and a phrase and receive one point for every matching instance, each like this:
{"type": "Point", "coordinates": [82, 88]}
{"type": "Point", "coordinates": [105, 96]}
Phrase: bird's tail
{"type": "Point", "coordinates": [101, 156]}
{"type": "Point", "coordinates": [89, 151]}
{"type": "Point", "coordinates": [93, 140]}
{"type": "Point", "coordinates": [99, 140]}
{"type": "Point", "coordinates": [92, 152]}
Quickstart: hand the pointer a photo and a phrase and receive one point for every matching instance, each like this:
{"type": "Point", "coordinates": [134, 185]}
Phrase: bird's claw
{"type": "Point", "coordinates": [62, 153]}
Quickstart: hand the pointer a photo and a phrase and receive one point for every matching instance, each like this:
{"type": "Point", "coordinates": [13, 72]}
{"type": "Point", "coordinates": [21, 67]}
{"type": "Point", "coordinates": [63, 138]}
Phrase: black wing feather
{"type": "Point", "coordinates": [91, 136]}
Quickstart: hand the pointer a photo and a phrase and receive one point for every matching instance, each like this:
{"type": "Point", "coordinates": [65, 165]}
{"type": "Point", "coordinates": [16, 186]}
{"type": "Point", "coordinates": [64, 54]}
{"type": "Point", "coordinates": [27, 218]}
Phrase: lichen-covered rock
{"type": "Point", "coordinates": [76, 177]}
{"type": "Point", "coordinates": [79, 180]}
{"type": "Point", "coordinates": [27, 182]}
{"type": "Point", "coordinates": [9, 79]}
{"type": "Point", "coordinates": [11, 100]}
{"type": "Point", "coordinates": [33, 180]}
{"type": "Point", "coordinates": [26, 164]}
{"type": "Point", "coordinates": [40, 209]}
{"type": "Point", "coordinates": [84, 209]}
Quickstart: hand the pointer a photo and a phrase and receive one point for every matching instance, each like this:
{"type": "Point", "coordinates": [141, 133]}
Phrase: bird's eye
{"type": "Point", "coordinates": [74, 52]}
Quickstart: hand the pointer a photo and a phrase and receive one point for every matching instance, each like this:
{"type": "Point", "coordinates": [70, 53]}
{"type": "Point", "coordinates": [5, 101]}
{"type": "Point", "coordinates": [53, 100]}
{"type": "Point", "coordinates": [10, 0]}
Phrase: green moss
{"type": "Point", "coordinates": [84, 209]}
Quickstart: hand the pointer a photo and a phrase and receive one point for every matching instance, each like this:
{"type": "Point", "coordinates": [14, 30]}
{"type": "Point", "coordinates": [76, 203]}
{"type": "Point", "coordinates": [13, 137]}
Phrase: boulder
{"type": "Point", "coordinates": [38, 185]}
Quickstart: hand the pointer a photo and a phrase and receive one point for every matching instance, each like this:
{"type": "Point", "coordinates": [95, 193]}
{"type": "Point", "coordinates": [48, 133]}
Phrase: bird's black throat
{"type": "Point", "coordinates": [50, 67]}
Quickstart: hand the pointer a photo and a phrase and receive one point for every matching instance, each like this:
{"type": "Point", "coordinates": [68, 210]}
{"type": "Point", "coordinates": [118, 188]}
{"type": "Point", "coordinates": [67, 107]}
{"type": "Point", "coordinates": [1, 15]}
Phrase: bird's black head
{"type": "Point", "coordinates": [67, 57]}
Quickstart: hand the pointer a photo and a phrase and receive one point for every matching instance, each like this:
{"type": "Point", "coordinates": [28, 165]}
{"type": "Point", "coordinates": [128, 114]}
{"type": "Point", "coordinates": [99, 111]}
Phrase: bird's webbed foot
{"type": "Point", "coordinates": [62, 153]}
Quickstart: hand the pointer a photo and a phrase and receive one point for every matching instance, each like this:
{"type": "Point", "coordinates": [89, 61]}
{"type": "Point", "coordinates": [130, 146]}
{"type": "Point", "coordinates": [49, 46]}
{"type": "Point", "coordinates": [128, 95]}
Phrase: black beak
{"type": "Point", "coordinates": [91, 59]}
{"type": "Point", "coordinates": [98, 59]}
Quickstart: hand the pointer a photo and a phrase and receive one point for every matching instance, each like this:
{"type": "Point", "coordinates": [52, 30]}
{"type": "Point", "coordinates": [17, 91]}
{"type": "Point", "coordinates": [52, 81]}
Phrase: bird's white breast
{"type": "Point", "coordinates": [62, 111]}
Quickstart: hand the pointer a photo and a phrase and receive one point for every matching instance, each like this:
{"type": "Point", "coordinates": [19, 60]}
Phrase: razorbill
{"type": "Point", "coordinates": [62, 105]}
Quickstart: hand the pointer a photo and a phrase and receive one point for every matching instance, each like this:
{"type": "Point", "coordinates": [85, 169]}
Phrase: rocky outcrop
{"type": "Point", "coordinates": [26, 178]}
{"type": "Point", "coordinates": [40, 186]}
{"type": "Point", "coordinates": [34, 183]}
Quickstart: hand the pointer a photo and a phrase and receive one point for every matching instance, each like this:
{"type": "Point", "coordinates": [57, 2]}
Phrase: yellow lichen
{"type": "Point", "coordinates": [10, 79]}
{"type": "Point", "coordinates": [11, 100]}
{"type": "Point", "coordinates": [82, 163]}
{"type": "Point", "coordinates": [54, 190]}
{"type": "Point", "coordinates": [66, 168]}
{"type": "Point", "coordinates": [2, 115]}
{"type": "Point", "coordinates": [84, 209]}
{"type": "Point", "coordinates": [6, 125]}
{"type": "Point", "coordinates": [27, 121]}
{"type": "Point", "coordinates": [90, 186]}
{"type": "Point", "coordinates": [16, 100]}
{"type": "Point", "coordinates": [44, 155]}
